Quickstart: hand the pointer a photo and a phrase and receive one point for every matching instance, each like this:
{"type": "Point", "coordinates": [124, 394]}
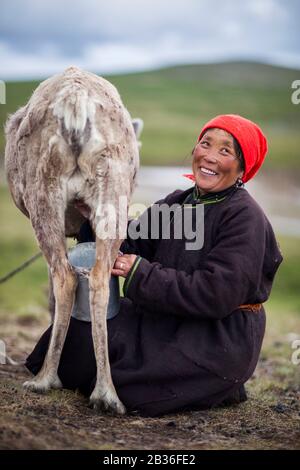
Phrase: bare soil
{"type": "Point", "coordinates": [270, 419]}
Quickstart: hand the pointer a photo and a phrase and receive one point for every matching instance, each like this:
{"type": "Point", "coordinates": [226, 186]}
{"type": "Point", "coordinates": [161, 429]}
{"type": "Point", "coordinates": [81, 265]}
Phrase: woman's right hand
{"type": "Point", "coordinates": [123, 265]}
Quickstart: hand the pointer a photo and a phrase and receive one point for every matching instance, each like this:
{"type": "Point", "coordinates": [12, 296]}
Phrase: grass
{"type": "Point", "coordinates": [175, 103]}
{"type": "Point", "coordinates": [25, 293]}
{"type": "Point", "coordinates": [62, 419]}
{"type": "Point", "coordinates": [286, 285]}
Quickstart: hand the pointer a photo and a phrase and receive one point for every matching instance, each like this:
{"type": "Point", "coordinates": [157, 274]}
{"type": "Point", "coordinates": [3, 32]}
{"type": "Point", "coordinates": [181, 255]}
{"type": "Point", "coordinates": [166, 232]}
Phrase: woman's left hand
{"type": "Point", "coordinates": [122, 265]}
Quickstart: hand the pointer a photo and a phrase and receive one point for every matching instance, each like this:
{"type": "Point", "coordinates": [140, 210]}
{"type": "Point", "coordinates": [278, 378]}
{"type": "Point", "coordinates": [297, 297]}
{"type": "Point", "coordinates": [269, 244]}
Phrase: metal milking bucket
{"type": "Point", "coordinates": [83, 255]}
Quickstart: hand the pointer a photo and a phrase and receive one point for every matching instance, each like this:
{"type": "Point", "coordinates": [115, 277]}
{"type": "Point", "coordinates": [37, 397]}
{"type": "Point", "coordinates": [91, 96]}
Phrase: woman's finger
{"type": "Point", "coordinates": [118, 272]}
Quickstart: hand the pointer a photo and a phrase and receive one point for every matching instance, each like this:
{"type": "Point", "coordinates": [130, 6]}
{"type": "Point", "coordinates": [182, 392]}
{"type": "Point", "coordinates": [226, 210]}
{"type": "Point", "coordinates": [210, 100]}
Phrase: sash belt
{"type": "Point", "coordinates": [253, 307]}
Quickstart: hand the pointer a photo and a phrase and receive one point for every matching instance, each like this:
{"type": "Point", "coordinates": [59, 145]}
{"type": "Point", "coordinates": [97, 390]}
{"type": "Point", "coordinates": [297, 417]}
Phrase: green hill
{"type": "Point", "coordinates": [175, 102]}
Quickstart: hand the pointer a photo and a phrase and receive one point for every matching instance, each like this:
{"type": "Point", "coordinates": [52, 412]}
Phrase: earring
{"type": "Point", "coordinates": [239, 182]}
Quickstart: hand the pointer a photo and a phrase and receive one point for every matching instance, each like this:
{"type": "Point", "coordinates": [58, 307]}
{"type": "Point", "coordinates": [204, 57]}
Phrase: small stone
{"type": "Point", "coordinates": [279, 408]}
{"type": "Point", "coordinates": [171, 424]}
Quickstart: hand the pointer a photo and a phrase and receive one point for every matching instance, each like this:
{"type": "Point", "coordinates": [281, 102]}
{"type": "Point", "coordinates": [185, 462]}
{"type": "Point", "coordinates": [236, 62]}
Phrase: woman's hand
{"type": "Point", "coordinates": [123, 264]}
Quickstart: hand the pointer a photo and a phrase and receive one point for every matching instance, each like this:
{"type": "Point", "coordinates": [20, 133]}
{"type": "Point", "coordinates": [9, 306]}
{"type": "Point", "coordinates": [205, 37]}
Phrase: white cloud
{"type": "Point", "coordinates": [113, 36]}
{"type": "Point", "coordinates": [268, 10]}
{"type": "Point", "coordinates": [119, 57]}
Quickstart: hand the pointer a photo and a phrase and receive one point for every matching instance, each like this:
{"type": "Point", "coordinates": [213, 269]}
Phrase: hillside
{"type": "Point", "coordinates": [175, 102]}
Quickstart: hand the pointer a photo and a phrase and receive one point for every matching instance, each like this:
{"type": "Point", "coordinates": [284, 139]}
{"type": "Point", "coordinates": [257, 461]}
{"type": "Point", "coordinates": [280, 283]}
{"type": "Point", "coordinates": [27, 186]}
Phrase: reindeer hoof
{"type": "Point", "coordinates": [113, 406]}
{"type": "Point", "coordinates": [42, 385]}
{"type": "Point", "coordinates": [36, 386]}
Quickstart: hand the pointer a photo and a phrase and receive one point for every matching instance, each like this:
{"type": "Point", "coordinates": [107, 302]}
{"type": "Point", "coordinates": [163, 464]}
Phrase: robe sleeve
{"type": "Point", "coordinates": [239, 269]}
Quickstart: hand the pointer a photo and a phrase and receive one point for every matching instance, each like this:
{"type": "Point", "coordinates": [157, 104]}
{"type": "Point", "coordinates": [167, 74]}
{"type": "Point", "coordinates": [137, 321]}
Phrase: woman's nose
{"type": "Point", "coordinates": [210, 157]}
{"type": "Point", "coordinates": [208, 154]}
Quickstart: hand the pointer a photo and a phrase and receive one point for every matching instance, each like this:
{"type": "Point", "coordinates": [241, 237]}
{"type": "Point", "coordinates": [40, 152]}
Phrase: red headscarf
{"type": "Point", "coordinates": [250, 137]}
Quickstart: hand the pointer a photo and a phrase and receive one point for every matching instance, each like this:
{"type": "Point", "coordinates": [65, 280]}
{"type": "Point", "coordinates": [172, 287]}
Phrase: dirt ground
{"type": "Point", "coordinates": [270, 419]}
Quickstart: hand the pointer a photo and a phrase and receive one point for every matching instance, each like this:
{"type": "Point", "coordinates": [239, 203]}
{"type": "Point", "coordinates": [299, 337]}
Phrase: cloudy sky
{"type": "Point", "coordinates": [42, 37]}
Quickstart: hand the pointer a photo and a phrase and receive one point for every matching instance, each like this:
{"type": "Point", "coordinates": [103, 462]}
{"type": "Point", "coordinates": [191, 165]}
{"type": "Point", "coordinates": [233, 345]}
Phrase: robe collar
{"type": "Point", "coordinates": [210, 198]}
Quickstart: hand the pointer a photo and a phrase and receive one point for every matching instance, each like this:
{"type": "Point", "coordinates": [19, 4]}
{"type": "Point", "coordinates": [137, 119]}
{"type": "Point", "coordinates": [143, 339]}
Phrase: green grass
{"type": "Point", "coordinates": [175, 103]}
{"type": "Point", "coordinates": [26, 292]}
{"type": "Point", "coordinates": [285, 294]}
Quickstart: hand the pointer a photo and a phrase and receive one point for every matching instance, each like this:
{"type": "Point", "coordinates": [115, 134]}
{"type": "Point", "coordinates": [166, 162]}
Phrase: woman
{"type": "Point", "coordinates": [191, 324]}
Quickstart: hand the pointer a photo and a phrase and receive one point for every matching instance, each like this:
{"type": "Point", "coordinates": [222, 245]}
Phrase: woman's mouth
{"type": "Point", "coordinates": [207, 172]}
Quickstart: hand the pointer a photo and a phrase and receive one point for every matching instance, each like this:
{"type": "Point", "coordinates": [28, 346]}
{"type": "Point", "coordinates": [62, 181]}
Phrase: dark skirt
{"type": "Point", "coordinates": [151, 379]}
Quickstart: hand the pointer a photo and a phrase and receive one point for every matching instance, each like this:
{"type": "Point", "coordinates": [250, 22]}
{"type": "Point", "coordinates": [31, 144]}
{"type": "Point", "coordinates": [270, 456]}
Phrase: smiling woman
{"type": "Point", "coordinates": [191, 323]}
{"type": "Point", "coordinates": [230, 149]}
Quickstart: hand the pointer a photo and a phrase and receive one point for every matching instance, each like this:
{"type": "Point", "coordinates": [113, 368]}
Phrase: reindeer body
{"type": "Point", "coordinates": [73, 141]}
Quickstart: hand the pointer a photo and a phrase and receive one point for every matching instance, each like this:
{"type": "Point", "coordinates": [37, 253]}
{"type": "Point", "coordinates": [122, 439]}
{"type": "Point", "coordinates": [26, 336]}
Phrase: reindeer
{"type": "Point", "coordinates": [74, 142]}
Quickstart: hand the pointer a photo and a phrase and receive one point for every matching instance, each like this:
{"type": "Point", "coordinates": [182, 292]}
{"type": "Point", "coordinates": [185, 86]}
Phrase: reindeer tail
{"type": "Point", "coordinates": [74, 109]}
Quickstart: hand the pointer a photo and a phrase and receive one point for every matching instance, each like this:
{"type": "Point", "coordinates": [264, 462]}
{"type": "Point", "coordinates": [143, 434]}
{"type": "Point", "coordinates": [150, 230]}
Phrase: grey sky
{"type": "Point", "coordinates": [40, 37]}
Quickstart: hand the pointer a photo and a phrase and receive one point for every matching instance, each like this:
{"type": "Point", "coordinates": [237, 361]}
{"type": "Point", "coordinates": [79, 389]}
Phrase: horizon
{"type": "Point", "coordinates": [160, 68]}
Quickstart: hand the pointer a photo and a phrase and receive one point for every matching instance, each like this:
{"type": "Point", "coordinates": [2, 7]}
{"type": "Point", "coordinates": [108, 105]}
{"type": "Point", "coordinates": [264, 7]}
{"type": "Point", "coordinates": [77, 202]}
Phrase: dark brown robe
{"type": "Point", "coordinates": [180, 340]}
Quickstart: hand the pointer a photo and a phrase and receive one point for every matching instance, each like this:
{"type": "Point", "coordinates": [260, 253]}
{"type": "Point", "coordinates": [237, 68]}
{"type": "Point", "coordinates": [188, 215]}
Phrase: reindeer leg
{"type": "Point", "coordinates": [64, 284]}
{"type": "Point", "coordinates": [51, 298]}
{"type": "Point", "coordinates": [104, 396]}
{"type": "Point", "coordinates": [110, 229]}
{"type": "Point", "coordinates": [52, 243]}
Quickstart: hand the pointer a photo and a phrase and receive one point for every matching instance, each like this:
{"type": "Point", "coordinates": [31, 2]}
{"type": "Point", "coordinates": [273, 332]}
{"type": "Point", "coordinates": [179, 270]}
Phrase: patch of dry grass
{"type": "Point", "coordinates": [270, 419]}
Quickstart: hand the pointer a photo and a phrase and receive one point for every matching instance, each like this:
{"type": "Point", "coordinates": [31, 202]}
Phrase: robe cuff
{"type": "Point", "coordinates": [130, 275]}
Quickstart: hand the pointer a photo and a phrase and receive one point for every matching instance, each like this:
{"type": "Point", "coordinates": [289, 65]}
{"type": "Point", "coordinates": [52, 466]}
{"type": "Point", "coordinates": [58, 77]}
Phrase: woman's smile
{"type": "Point", "coordinates": [207, 171]}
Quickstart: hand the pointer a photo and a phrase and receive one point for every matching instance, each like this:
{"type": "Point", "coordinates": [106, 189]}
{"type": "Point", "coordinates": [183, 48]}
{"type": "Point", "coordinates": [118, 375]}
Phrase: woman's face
{"type": "Point", "coordinates": [215, 163]}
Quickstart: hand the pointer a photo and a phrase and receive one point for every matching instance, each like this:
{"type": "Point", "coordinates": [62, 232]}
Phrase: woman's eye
{"type": "Point", "coordinates": [205, 143]}
{"type": "Point", "coordinates": [225, 151]}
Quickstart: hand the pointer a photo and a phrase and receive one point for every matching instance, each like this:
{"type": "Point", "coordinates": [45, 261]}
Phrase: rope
{"type": "Point", "coordinates": [6, 358]}
{"type": "Point", "coordinates": [20, 268]}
